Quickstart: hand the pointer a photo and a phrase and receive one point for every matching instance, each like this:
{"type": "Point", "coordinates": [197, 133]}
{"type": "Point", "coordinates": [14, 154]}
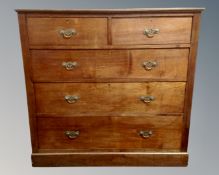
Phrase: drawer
{"type": "Point", "coordinates": [67, 31]}
{"type": "Point", "coordinates": [151, 30]}
{"type": "Point", "coordinates": [101, 99]}
{"type": "Point", "coordinates": [148, 133]}
{"type": "Point", "coordinates": [70, 65]}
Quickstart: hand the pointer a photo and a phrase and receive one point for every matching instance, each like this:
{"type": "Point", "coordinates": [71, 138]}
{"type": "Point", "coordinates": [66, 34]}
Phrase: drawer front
{"type": "Point", "coordinates": [49, 65]}
{"type": "Point", "coordinates": [156, 132]}
{"type": "Point", "coordinates": [154, 30]}
{"type": "Point", "coordinates": [67, 31]}
{"type": "Point", "coordinates": [102, 99]}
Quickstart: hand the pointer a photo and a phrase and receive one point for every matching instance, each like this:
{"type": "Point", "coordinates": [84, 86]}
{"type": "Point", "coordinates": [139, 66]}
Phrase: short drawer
{"type": "Point", "coordinates": [67, 31]}
{"type": "Point", "coordinates": [151, 30]}
{"type": "Point", "coordinates": [71, 65]}
{"type": "Point", "coordinates": [101, 99]}
{"type": "Point", "coordinates": [145, 133]}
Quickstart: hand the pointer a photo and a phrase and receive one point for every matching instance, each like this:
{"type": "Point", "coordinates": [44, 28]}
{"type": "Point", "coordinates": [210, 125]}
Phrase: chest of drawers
{"type": "Point", "coordinates": [109, 87]}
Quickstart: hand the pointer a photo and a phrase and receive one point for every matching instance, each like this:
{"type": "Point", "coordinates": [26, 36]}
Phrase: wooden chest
{"type": "Point", "coordinates": [109, 87]}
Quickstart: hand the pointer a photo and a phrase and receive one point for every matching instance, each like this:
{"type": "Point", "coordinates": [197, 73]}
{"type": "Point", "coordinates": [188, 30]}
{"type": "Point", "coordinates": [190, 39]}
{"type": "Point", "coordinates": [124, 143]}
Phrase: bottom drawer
{"type": "Point", "coordinates": [78, 133]}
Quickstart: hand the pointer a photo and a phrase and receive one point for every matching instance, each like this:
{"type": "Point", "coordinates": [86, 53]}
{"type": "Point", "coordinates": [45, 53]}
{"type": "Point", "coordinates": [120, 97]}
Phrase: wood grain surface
{"type": "Point", "coordinates": [100, 99]}
{"type": "Point", "coordinates": [111, 132]}
{"type": "Point", "coordinates": [110, 48]}
{"type": "Point", "coordinates": [110, 159]}
{"type": "Point", "coordinates": [109, 64]}
{"type": "Point", "coordinates": [45, 31]}
{"type": "Point", "coordinates": [131, 30]}
{"type": "Point", "coordinates": [171, 64]}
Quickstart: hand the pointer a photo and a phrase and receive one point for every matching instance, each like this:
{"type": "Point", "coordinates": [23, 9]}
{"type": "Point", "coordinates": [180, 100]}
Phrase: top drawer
{"type": "Point", "coordinates": [151, 30]}
{"type": "Point", "coordinates": [67, 31]}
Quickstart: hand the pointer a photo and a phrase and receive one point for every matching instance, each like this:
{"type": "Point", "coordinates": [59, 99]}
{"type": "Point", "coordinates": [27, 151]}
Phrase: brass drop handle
{"type": "Point", "coordinates": [145, 134]}
{"type": "Point", "coordinates": [150, 32]}
{"type": "Point", "coordinates": [69, 65]}
{"type": "Point", "coordinates": [67, 33]}
{"type": "Point", "coordinates": [72, 134]}
{"type": "Point", "coordinates": [71, 98]}
{"type": "Point", "coordinates": [147, 99]}
{"type": "Point", "coordinates": [149, 65]}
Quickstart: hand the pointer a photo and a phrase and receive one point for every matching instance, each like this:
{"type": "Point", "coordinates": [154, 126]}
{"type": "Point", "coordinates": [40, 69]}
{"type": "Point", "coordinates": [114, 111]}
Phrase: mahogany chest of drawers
{"type": "Point", "coordinates": [109, 87]}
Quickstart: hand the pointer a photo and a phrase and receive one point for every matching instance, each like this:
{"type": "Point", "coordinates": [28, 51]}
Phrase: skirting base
{"type": "Point", "coordinates": [110, 159]}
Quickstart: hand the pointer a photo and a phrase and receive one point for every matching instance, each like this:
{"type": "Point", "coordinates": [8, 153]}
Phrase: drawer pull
{"type": "Point", "coordinates": [149, 65]}
{"type": "Point", "coordinates": [145, 134]}
{"type": "Point", "coordinates": [67, 33]}
{"type": "Point", "coordinates": [147, 99]}
{"type": "Point", "coordinates": [72, 134]}
{"type": "Point", "coordinates": [71, 98]}
{"type": "Point", "coordinates": [151, 32]}
{"type": "Point", "coordinates": [69, 65]}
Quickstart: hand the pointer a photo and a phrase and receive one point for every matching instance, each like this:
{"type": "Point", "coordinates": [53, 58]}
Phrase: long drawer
{"type": "Point", "coordinates": [145, 133]}
{"type": "Point", "coordinates": [85, 65]}
{"type": "Point", "coordinates": [67, 31]}
{"type": "Point", "coordinates": [109, 98]}
{"type": "Point", "coordinates": [151, 30]}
